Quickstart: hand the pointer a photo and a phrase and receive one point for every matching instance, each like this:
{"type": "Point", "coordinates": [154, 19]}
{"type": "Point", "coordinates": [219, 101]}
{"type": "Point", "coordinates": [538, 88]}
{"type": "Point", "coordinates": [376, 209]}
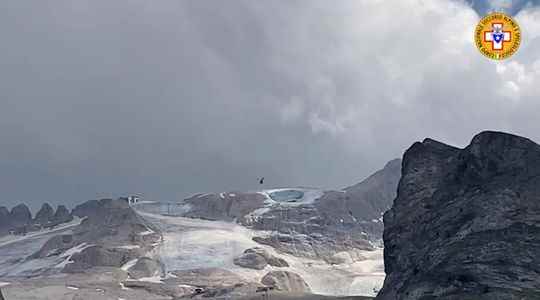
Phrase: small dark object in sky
{"type": "Point", "coordinates": [261, 181]}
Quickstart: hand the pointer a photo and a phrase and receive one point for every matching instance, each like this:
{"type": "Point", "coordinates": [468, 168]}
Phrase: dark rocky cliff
{"type": "Point", "coordinates": [466, 222]}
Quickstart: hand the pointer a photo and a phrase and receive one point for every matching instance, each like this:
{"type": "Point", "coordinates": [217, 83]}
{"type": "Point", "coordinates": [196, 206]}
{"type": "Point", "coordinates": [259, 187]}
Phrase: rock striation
{"type": "Point", "coordinates": [466, 222]}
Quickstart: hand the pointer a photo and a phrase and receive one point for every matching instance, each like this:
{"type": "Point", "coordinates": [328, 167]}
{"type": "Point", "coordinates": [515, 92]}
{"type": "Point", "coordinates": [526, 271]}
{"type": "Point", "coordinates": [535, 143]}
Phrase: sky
{"type": "Point", "coordinates": [170, 98]}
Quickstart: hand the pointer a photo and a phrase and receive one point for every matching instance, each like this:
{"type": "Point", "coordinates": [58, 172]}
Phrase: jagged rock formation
{"type": "Point", "coordinates": [20, 216]}
{"type": "Point", "coordinates": [286, 281]}
{"type": "Point", "coordinates": [111, 235]}
{"type": "Point", "coordinates": [62, 215]}
{"type": "Point", "coordinates": [20, 221]}
{"type": "Point", "coordinates": [466, 222]}
{"type": "Point", "coordinates": [45, 215]}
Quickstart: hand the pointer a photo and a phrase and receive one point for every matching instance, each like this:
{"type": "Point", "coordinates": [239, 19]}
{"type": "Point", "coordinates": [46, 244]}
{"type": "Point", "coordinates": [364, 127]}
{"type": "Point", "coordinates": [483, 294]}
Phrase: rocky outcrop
{"type": "Point", "coordinates": [20, 221]}
{"type": "Point", "coordinates": [146, 267]}
{"type": "Point", "coordinates": [110, 235]}
{"type": "Point", "coordinates": [44, 216]}
{"type": "Point", "coordinates": [306, 222]}
{"type": "Point", "coordinates": [466, 222]}
{"type": "Point", "coordinates": [286, 281]}
{"type": "Point", "coordinates": [258, 258]}
{"type": "Point", "coordinates": [98, 256]}
{"type": "Point", "coordinates": [251, 261]}
{"type": "Point", "coordinates": [20, 216]}
{"type": "Point", "coordinates": [204, 277]}
{"type": "Point", "coordinates": [224, 206]}
{"type": "Point", "coordinates": [62, 215]}
{"type": "Point", "coordinates": [4, 220]}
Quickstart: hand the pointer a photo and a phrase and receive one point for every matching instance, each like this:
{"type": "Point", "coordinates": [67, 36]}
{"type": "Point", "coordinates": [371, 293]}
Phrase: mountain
{"type": "Point", "coordinates": [328, 225]}
{"type": "Point", "coordinates": [466, 222]}
{"type": "Point", "coordinates": [232, 245]}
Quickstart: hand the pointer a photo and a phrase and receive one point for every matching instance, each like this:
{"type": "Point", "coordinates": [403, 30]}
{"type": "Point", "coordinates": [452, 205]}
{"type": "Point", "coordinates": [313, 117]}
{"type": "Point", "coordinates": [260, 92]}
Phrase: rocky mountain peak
{"type": "Point", "coordinates": [465, 222]}
{"type": "Point", "coordinates": [20, 215]}
{"type": "Point", "coordinates": [44, 215]}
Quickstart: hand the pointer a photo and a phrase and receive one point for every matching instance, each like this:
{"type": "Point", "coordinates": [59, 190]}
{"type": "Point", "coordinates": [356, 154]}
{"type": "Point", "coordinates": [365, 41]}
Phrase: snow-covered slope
{"type": "Point", "coordinates": [193, 243]}
{"type": "Point", "coordinates": [14, 251]}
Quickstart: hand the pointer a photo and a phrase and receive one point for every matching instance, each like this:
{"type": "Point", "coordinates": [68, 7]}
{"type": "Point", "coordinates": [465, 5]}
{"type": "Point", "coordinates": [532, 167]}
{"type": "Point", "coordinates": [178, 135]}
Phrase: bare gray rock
{"type": "Point", "coordinates": [62, 215]}
{"type": "Point", "coordinates": [20, 216]}
{"type": "Point", "coordinates": [251, 261]}
{"type": "Point", "coordinates": [45, 215]}
{"type": "Point", "coordinates": [146, 267]}
{"type": "Point", "coordinates": [337, 221]}
{"type": "Point", "coordinates": [111, 234]}
{"type": "Point", "coordinates": [224, 206]}
{"type": "Point", "coordinates": [206, 277]}
{"type": "Point", "coordinates": [466, 222]}
{"type": "Point", "coordinates": [95, 256]}
{"type": "Point", "coordinates": [286, 281]}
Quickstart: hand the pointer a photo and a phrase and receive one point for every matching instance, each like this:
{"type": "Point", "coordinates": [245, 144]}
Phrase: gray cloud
{"type": "Point", "coordinates": [168, 98]}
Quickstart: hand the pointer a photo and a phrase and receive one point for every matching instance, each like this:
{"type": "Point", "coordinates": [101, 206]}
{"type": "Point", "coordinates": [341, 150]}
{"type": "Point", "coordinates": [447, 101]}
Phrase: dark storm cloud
{"type": "Point", "coordinates": [170, 98]}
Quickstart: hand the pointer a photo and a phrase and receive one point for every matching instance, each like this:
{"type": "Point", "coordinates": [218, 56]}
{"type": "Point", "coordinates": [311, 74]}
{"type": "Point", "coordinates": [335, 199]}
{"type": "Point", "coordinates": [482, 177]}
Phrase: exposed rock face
{"type": "Point", "coordinates": [4, 220]}
{"type": "Point", "coordinates": [206, 277]}
{"type": "Point", "coordinates": [110, 235]}
{"type": "Point", "coordinates": [307, 222]}
{"type": "Point", "coordinates": [62, 215]}
{"type": "Point", "coordinates": [286, 281]}
{"type": "Point", "coordinates": [466, 222]}
{"type": "Point", "coordinates": [258, 258]}
{"type": "Point", "coordinates": [146, 267]}
{"type": "Point", "coordinates": [94, 256]}
{"type": "Point", "coordinates": [20, 216]}
{"type": "Point", "coordinates": [224, 206]}
{"type": "Point", "coordinates": [44, 215]}
{"type": "Point", "coordinates": [251, 261]}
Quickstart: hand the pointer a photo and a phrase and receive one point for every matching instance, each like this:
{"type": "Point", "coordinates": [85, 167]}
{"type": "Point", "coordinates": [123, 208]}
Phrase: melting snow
{"type": "Point", "coordinates": [129, 264]}
{"type": "Point", "coordinates": [129, 247]}
{"type": "Point", "coordinates": [194, 243]}
{"type": "Point", "coordinates": [147, 232]}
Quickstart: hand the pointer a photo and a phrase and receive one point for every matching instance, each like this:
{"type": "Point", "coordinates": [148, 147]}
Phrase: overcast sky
{"type": "Point", "coordinates": [168, 98]}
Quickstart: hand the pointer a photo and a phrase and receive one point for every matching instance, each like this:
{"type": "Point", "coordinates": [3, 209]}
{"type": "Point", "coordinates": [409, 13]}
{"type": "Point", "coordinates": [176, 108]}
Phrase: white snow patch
{"type": "Point", "coordinates": [232, 195]}
{"type": "Point", "coordinates": [129, 247]}
{"type": "Point", "coordinates": [123, 287]}
{"type": "Point", "coordinates": [10, 239]}
{"type": "Point", "coordinates": [147, 232]}
{"type": "Point", "coordinates": [129, 264]}
{"type": "Point", "coordinates": [154, 279]}
{"type": "Point", "coordinates": [72, 288]}
{"type": "Point", "coordinates": [69, 253]}
{"type": "Point", "coordinates": [4, 283]}
{"type": "Point", "coordinates": [194, 243]}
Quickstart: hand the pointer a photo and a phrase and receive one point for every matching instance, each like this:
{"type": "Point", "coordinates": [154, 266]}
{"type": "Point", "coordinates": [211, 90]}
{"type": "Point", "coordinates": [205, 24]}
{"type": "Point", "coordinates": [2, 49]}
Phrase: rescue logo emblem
{"type": "Point", "coordinates": [497, 36]}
